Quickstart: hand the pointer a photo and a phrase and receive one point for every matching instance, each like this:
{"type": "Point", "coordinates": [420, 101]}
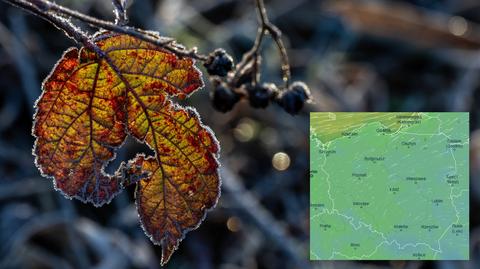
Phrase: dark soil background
{"type": "Point", "coordinates": [416, 55]}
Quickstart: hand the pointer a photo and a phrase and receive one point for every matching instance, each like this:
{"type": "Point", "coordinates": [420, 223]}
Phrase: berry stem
{"type": "Point", "coordinates": [277, 37]}
{"type": "Point", "coordinates": [265, 26]}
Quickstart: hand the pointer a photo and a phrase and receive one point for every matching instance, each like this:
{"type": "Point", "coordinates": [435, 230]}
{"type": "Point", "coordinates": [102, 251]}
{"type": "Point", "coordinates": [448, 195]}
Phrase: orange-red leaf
{"type": "Point", "coordinates": [89, 104]}
{"type": "Point", "coordinates": [79, 122]}
{"type": "Point", "coordinates": [184, 179]}
{"type": "Point", "coordinates": [143, 65]}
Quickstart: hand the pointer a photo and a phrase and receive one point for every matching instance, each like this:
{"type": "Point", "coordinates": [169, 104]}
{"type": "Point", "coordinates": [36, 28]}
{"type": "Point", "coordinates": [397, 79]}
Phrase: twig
{"type": "Point", "coordinates": [121, 17]}
{"type": "Point", "coordinates": [61, 23]}
{"type": "Point", "coordinates": [50, 7]}
{"type": "Point", "coordinates": [51, 12]}
{"type": "Point", "coordinates": [277, 37]}
{"type": "Point", "coordinates": [253, 54]}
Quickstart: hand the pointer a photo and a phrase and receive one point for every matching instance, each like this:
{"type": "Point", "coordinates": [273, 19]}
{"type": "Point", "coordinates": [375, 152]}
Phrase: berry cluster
{"type": "Point", "coordinates": [231, 84]}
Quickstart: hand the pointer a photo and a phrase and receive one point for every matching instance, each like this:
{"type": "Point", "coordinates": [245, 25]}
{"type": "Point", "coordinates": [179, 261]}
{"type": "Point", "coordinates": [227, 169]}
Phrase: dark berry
{"type": "Point", "coordinates": [223, 98]}
{"type": "Point", "coordinates": [219, 63]}
{"type": "Point", "coordinates": [294, 98]}
{"type": "Point", "coordinates": [302, 89]}
{"type": "Point", "coordinates": [260, 95]}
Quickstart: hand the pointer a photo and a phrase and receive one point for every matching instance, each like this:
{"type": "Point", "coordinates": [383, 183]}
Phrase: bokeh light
{"type": "Point", "coordinates": [281, 161]}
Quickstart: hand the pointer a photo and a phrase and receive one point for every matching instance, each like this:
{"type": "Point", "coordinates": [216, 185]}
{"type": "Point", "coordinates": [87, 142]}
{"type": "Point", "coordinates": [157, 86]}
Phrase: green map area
{"type": "Point", "coordinates": [389, 186]}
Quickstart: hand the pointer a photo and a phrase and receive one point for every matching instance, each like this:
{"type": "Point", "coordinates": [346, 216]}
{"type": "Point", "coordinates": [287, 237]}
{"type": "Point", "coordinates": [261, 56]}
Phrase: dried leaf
{"type": "Point", "coordinates": [90, 103]}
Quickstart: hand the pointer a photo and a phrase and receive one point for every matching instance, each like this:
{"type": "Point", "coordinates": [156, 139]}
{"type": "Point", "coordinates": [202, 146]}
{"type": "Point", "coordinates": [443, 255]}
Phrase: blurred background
{"type": "Point", "coordinates": [415, 55]}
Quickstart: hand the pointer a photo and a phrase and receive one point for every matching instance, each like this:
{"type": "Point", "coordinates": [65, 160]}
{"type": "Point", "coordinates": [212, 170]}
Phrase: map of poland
{"type": "Point", "coordinates": [389, 186]}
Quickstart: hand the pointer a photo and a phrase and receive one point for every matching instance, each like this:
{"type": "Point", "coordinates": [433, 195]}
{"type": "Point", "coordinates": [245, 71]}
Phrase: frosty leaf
{"type": "Point", "coordinates": [90, 103]}
{"type": "Point", "coordinates": [184, 179]}
{"type": "Point", "coordinates": [143, 65]}
{"type": "Point", "coordinates": [79, 122]}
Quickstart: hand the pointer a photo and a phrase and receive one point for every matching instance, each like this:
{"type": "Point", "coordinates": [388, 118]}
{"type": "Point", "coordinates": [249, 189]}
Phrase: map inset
{"type": "Point", "coordinates": [389, 186]}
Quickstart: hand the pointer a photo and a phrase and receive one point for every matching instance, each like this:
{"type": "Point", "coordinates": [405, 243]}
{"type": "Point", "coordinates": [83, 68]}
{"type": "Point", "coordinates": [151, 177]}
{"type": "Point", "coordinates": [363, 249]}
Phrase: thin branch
{"type": "Point", "coordinates": [120, 11]}
{"type": "Point", "coordinates": [48, 10]}
{"type": "Point", "coordinates": [56, 14]}
{"type": "Point", "coordinates": [253, 54]}
{"type": "Point", "coordinates": [277, 37]}
{"type": "Point", "coordinates": [256, 56]}
{"type": "Point", "coordinates": [47, 6]}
